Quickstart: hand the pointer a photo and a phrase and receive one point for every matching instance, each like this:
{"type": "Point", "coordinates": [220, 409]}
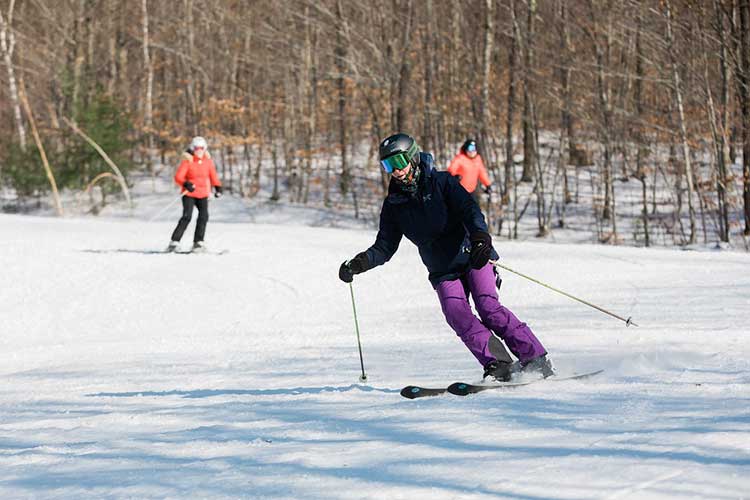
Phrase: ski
{"type": "Point", "coordinates": [464, 389]}
{"type": "Point", "coordinates": [202, 252]}
{"type": "Point", "coordinates": [414, 391]}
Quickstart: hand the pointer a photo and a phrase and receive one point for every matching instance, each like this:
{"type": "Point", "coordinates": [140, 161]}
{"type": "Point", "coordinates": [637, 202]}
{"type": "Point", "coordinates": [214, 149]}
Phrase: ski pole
{"type": "Point", "coordinates": [167, 207]}
{"type": "Point", "coordinates": [363, 377]}
{"type": "Point", "coordinates": [628, 321]}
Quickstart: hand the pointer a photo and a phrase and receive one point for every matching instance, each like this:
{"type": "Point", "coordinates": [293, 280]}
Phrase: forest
{"type": "Point", "coordinates": [573, 103]}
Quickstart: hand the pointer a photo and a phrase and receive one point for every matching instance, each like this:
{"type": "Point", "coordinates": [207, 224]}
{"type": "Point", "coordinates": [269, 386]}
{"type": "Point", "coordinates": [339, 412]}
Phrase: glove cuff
{"type": "Point", "coordinates": [481, 236]}
{"type": "Point", "coordinates": [360, 263]}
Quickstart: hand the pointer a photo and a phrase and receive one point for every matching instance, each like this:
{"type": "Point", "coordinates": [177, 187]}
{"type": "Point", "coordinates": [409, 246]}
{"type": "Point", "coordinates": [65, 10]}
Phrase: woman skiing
{"type": "Point", "coordinates": [468, 166]}
{"type": "Point", "coordinates": [439, 216]}
{"type": "Point", "coordinates": [195, 175]}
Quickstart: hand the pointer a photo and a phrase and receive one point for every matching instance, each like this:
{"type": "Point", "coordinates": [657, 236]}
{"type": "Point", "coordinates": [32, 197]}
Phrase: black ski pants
{"type": "Point", "coordinates": [188, 203]}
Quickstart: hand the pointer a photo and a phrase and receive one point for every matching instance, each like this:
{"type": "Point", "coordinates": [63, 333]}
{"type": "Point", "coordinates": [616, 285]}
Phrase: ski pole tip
{"type": "Point", "coordinates": [363, 378]}
{"type": "Point", "coordinates": [630, 321]}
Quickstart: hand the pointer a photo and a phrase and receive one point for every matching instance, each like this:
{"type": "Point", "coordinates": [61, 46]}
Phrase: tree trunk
{"type": "Point", "coordinates": [454, 72]}
{"type": "Point", "coordinates": [640, 168]}
{"type": "Point", "coordinates": [7, 45]}
{"type": "Point", "coordinates": [404, 74]}
{"type": "Point", "coordinates": [681, 117]}
{"type": "Point", "coordinates": [189, 73]}
{"type": "Point", "coordinates": [40, 148]}
{"type": "Point", "coordinates": [311, 91]}
{"type": "Point", "coordinates": [79, 54]}
{"type": "Point", "coordinates": [123, 66]}
{"type": "Point", "coordinates": [513, 185]}
{"type": "Point", "coordinates": [563, 154]}
{"type": "Point", "coordinates": [275, 195]}
{"type": "Point", "coordinates": [529, 153]}
{"type": "Point", "coordinates": [743, 77]}
{"type": "Point", "coordinates": [484, 103]}
{"type": "Point", "coordinates": [428, 135]}
{"type": "Point", "coordinates": [603, 92]}
{"type": "Point", "coordinates": [509, 172]}
{"type": "Point", "coordinates": [719, 129]}
{"type": "Point", "coordinates": [512, 71]}
{"type": "Point", "coordinates": [148, 113]}
{"type": "Point", "coordinates": [341, 53]}
{"type": "Point", "coordinates": [112, 30]}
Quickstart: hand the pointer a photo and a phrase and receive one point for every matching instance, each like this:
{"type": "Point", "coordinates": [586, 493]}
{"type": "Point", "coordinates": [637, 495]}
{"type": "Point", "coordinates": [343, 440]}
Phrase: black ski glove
{"type": "Point", "coordinates": [359, 264]}
{"type": "Point", "coordinates": [189, 186]}
{"type": "Point", "coordinates": [481, 249]}
{"type": "Point", "coordinates": [488, 189]}
{"type": "Point", "coordinates": [218, 191]}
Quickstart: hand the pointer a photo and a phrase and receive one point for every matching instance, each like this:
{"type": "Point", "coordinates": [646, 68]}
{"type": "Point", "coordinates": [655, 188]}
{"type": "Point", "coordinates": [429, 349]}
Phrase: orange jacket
{"type": "Point", "coordinates": [202, 173]}
{"type": "Point", "coordinates": [469, 169]}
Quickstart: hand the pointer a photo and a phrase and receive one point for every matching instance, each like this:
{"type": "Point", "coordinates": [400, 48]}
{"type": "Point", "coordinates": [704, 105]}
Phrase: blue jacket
{"type": "Point", "coordinates": [438, 218]}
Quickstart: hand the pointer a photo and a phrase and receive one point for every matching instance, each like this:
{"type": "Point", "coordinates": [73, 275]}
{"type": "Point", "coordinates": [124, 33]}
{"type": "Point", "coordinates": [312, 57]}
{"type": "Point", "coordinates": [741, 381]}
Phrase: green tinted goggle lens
{"type": "Point", "coordinates": [396, 162]}
{"type": "Point", "coordinates": [399, 161]}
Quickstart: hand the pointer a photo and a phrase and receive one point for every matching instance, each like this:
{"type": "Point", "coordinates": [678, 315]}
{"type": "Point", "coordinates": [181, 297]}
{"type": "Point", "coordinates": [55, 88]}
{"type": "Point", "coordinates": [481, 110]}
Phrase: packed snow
{"type": "Point", "coordinates": [127, 372]}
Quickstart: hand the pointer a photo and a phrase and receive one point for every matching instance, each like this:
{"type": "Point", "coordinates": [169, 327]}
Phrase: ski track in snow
{"type": "Point", "coordinates": [125, 374]}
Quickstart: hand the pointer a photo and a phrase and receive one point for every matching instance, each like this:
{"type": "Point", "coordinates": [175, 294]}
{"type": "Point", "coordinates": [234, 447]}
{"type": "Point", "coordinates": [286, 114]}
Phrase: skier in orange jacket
{"type": "Point", "coordinates": [195, 175]}
{"type": "Point", "coordinates": [469, 167]}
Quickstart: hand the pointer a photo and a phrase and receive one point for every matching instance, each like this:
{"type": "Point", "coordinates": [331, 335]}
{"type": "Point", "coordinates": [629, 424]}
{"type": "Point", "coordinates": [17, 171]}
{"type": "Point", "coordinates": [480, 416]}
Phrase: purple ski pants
{"type": "Point", "coordinates": [480, 284]}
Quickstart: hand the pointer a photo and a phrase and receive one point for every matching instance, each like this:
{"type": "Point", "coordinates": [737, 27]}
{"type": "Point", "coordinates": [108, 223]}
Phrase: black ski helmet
{"type": "Point", "coordinates": [400, 143]}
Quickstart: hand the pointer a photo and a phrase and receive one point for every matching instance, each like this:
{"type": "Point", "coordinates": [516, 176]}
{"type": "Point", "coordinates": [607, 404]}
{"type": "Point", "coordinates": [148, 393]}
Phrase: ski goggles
{"type": "Point", "coordinates": [471, 147]}
{"type": "Point", "coordinates": [399, 161]}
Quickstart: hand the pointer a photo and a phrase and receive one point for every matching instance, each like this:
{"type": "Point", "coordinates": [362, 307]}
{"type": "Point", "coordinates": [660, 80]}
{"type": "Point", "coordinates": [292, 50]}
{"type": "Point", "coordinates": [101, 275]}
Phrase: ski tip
{"type": "Point", "coordinates": [459, 389]}
{"type": "Point", "coordinates": [591, 374]}
{"type": "Point", "coordinates": [411, 391]}
{"type": "Point", "coordinates": [414, 391]}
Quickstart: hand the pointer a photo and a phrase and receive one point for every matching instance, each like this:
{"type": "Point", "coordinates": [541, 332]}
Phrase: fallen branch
{"type": "Point", "coordinates": [40, 147]}
{"type": "Point", "coordinates": [118, 173]}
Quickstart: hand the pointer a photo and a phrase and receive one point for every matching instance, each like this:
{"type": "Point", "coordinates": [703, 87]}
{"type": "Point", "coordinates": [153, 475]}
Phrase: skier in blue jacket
{"type": "Point", "coordinates": [435, 213]}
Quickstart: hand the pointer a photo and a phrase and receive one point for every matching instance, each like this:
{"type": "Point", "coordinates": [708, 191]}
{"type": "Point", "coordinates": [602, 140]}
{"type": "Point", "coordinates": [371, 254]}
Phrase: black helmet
{"type": "Point", "coordinates": [469, 144]}
{"type": "Point", "coordinates": [402, 148]}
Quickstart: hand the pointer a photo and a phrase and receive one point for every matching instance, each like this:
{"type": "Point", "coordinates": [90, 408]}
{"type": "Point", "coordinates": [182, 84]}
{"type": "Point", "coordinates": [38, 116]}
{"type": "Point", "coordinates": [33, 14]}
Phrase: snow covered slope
{"type": "Point", "coordinates": [129, 373]}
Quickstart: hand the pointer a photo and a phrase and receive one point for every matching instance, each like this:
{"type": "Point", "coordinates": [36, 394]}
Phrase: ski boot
{"type": "Point", "coordinates": [539, 365]}
{"type": "Point", "coordinates": [498, 371]}
{"type": "Point", "coordinates": [172, 247]}
{"type": "Point", "coordinates": [199, 247]}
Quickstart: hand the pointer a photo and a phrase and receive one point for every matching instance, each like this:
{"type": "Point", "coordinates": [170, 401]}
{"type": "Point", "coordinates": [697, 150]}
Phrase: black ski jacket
{"type": "Point", "coordinates": [438, 218]}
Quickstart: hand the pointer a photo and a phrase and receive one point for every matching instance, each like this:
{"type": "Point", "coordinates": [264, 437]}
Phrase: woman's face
{"type": "Point", "coordinates": [402, 174]}
{"type": "Point", "coordinates": [199, 152]}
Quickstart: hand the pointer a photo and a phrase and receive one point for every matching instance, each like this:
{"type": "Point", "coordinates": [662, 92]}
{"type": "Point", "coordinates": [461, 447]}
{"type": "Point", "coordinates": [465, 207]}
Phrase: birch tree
{"type": "Point", "coordinates": [7, 46]}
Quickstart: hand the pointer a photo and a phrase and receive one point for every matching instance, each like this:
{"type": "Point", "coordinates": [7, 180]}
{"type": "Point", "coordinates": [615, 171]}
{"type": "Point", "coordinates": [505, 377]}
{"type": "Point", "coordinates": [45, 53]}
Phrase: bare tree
{"type": "Point", "coordinates": [295, 81]}
{"type": "Point", "coordinates": [526, 44]}
{"type": "Point", "coordinates": [677, 89]}
{"type": "Point", "coordinates": [341, 54]}
{"type": "Point", "coordinates": [509, 177]}
{"type": "Point", "coordinates": [149, 90]}
{"type": "Point", "coordinates": [7, 46]}
{"type": "Point", "coordinates": [719, 127]}
{"type": "Point", "coordinates": [638, 136]}
{"type": "Point", "coordinates": [602, 46]}
{"type": "Point", "coordinates": [428, 133]}
{"type": "Point", "coordinates": [743, 93]}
